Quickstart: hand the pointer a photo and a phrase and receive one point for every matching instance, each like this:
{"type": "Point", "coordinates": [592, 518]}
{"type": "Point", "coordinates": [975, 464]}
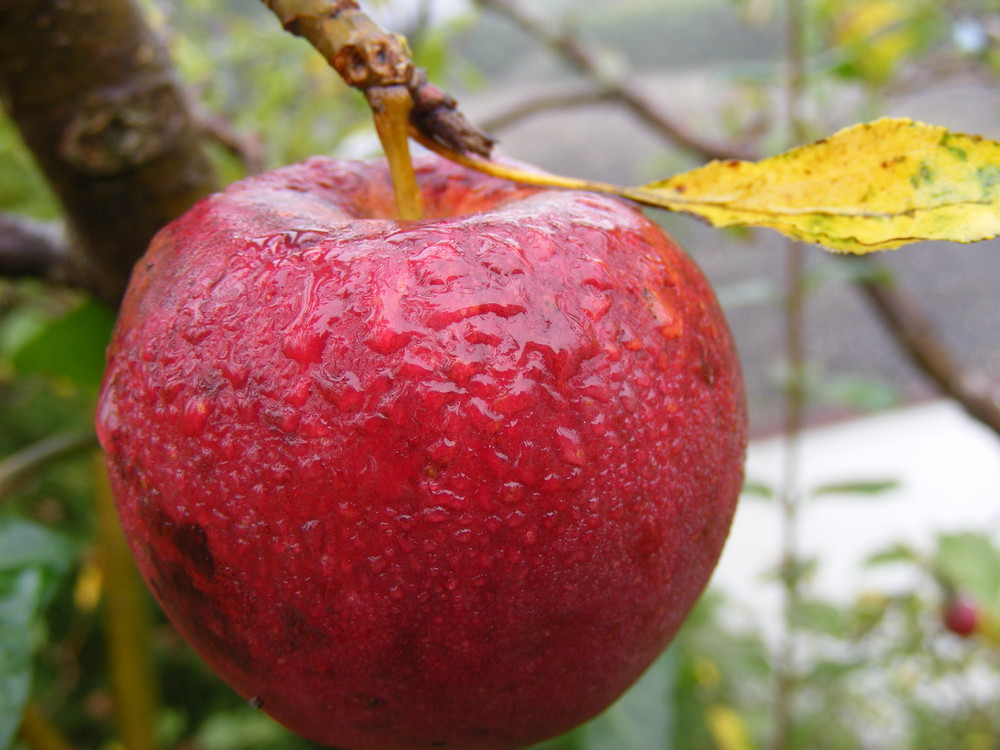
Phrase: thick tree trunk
{"type": "Point", "coordinates": [93, 94]}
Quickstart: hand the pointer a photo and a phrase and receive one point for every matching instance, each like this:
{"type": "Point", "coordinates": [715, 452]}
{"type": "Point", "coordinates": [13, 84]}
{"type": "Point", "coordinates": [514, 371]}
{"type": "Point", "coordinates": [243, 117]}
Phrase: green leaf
{"type": "Point", "coordinates": [20, 598]}
{"type": "Point", "coordinates": [897, 553]}
{"type": "Point", "coordinates": [71, 347]}
{"type": "Point", "coordinates": [970, 561]}
{"type": "Point", "coordinates": [641, 719]}
{"type": "Point", "coordinates": [33, 560]}
{"type": "Point", "coordinates": [820, 617]}
{"type": "Point", "coordinates": [865, 488]}
{"type": "Point", "coordinates": [24, 544]}
{"type": "Point", "coordinates": [758, 490]}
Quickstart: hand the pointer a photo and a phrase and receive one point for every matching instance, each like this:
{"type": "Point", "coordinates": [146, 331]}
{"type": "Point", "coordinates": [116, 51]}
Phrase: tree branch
{"type": "Point", "coordinates": [545, 103]}
{"type": "Point", "coordinates": [93, 94]}
{"type": "Point", "coordinates": [586, 59]}
{"type": "Point", "coordinates": [33, 248]}
{"type": "Point", "coordinates": [913, 331]}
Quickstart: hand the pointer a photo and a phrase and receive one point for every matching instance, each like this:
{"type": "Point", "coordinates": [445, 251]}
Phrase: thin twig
{"type": "Point", "coordinates": [247, 149]}
{"type": "Point", "coordinates": [586, 58]}
{"type": "Point", "coordinates": [19, 466]}
{"type": "Point", "coordinates": [545, 103]}
{"type": "Point", "coordinates": [913, 331]}
{"type": "Point", "coordinates": [786, 663]}
{"type": "Point", "coordinates": [35, 249]}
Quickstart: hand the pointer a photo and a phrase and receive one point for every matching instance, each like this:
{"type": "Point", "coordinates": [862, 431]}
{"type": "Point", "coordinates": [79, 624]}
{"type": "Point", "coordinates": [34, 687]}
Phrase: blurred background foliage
{"type": "Point", "coordinates": [880, 671]}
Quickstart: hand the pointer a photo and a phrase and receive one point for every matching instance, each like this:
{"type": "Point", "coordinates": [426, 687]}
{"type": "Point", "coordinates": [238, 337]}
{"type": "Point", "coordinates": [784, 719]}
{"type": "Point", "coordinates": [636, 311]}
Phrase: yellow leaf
{"type": "Point", "coordinates": [874, 186]}
{"type": "Point", "coordinates": [869, 187]}
{"type": "Point", "coordinates": [728, 730]}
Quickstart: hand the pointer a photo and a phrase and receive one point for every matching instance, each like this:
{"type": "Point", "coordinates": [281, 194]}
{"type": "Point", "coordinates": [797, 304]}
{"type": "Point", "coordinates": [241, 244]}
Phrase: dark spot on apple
{"type": "Point", "coordinates": [190, 539]}
{"type": "Point", "coordinates": [181, 597]}
{"type": "Point", "coordinates": [256, 702]}
{"type": "Point", "coordinates": [375, 703]}
{"type": "Point", "coordinates": [300, 630]}
{"type": "Point", "coordinates": [707, 372]}
{"type": "Point", "coordinates": [439, 743]}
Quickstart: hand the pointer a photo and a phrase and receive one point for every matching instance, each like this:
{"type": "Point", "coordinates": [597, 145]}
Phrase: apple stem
{"type": "Point", "coordinates": [391, 108]}
{"type": "Point", "coordinates": [367, 56]}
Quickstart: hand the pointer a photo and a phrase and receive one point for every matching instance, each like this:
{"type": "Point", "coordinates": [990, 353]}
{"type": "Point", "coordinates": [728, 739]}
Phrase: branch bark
{"type": "Point", "coordinates": [34, 248]}
{"type": "Point", "coordinates": [93, 94]}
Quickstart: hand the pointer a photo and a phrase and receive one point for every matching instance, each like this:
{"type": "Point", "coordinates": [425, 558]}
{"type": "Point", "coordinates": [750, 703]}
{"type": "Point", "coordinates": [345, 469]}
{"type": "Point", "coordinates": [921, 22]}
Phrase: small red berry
{"type": "Point", "coordinates": [961, 615]}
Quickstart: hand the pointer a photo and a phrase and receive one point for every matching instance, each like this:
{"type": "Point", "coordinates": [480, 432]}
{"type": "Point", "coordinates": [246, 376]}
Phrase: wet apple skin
{"type": "Point", "coordinates": [449, 483]}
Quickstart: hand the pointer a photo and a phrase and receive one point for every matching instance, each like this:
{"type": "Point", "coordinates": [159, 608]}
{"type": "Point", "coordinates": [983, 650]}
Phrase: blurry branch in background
{"type": "Point", "coordinates": [546, 103]}
{"type": "Point", "coordinates": [586, 58]}
{"type": "Point", "coordinates": [914, 333]}
{"type": "Point", "coordinates": [247, 149]}
{"type": "Point", "coordinates": [35, 249]}
{"type": "Point", "coordinates": [897, 310]}
{"type": "Point", "coordinates": [30, 461]}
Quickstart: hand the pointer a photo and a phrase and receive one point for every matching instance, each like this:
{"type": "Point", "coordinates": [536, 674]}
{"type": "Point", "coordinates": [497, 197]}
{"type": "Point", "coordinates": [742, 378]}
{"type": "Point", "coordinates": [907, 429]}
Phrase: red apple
{"type": "Point", "coordinates": [446, 483]}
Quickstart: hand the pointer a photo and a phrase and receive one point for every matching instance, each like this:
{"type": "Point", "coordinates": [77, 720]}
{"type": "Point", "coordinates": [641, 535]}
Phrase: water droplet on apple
{"type": "Point", "coordinates": [196, 413]}
{"type": "Point", "coordinates": [436, 514]}
{"type": "Point", "coordinates": [570, 446]}
{"type": "Point", "coordinates": [516, 519]}
{"type": "Point", "coordinates": [298, 394]}
{"type": "Point", "coordinates": [511, 493]}
{"type": "Point", "coordinates": [343, 390]}
{"type": "Point", "coordinates": [305, 346]}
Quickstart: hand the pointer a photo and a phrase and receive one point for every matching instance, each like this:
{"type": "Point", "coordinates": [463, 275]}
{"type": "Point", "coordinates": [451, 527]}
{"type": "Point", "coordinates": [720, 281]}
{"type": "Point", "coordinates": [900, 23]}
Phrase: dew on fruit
{"type": "Point", "coordinates": [196, 413]}
{"type": "Point", "coordinates": [570, 446]}
{"type": "Point", "coordinates": [516, 519]}
{"type": "Point", "coordinates": [511, 493]}
{"type": "Point", "coordinates": [298, 394]}
{"type": "Point", "coordinates": [386, 341]}
{"type": "Point", "coordinates": [435, 514]}
{"type": "Point", "coordinates": [447, 317]}
{"type": "Point", "coordinates": [343, 390]}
